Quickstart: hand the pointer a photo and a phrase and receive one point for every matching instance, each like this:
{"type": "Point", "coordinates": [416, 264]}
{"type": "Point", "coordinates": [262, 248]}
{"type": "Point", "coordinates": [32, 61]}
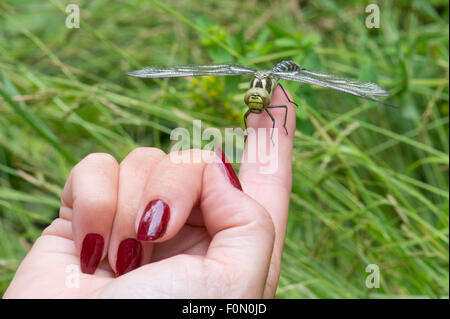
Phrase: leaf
{"type": "Point", "coordinates": [34, 121]}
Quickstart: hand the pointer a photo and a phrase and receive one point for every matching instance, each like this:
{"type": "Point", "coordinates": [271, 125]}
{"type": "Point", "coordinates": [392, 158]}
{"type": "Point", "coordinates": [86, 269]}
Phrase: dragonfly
{"type": "Point", "coordinates": [263, 83]}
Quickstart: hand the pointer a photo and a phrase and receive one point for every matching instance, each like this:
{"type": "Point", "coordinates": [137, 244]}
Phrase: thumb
{"type": "Point", "coordinates": [242, 230]}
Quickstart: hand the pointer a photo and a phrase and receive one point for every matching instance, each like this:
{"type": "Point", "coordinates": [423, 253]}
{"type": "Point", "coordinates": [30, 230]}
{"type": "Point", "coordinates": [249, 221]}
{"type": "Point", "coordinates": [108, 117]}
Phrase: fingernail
{"type": "Point", "coordinates": [91, 252]}
{"type": "Point", "coordinates": [154, 220]}
{"type": "Point", "coordinates": [227, 169]}
{"type": "Point", "coordinates": [128, 256]}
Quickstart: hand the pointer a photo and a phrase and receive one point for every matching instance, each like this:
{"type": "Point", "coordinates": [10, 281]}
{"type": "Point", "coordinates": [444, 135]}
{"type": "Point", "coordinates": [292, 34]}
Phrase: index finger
{"type": "Point", "coordinates": [266, 169]}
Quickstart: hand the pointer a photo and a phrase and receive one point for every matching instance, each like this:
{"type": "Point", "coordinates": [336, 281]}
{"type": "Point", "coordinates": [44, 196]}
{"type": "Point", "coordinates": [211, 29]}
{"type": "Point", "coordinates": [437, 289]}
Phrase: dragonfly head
{"type": "Point", "coordinates": [257, 99]}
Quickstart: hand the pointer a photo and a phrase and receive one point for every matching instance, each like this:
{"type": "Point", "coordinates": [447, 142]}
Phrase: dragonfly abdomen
{"type": "Point", "coordinates": [287, 66]}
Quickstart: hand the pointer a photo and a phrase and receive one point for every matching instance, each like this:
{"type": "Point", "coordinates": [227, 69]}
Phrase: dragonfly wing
{"type": "Point", "coordinates": [365, 90]}
{"type": "Point", "coordinates": [191, 70]}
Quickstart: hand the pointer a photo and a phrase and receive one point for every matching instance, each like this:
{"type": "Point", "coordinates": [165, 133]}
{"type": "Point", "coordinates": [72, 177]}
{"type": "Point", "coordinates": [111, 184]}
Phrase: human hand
{"type": "Point", "coordinates": [203, 237]}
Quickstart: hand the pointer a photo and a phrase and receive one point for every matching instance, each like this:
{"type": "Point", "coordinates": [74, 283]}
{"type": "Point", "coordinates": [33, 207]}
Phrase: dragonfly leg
{"type": "Point", "coordinates": [285, 94]}
{"type": "Point", "coordinates": [273, 125]}
{"type": "Point", "coordinates": [245, 119]}
{"type": "Point", "coordinates": [285, 114]}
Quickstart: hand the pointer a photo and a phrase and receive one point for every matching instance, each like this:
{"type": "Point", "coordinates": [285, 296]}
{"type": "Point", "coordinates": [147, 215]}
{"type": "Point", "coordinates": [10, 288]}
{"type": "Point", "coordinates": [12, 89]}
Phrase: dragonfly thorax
{"type": "Point", "coordinates": [262, 80]}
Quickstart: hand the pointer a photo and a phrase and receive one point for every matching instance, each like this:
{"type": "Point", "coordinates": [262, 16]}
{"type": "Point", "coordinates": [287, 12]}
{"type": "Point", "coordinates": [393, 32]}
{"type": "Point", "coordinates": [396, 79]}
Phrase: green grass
{"type": "Point", "coordinates": [370, 183]}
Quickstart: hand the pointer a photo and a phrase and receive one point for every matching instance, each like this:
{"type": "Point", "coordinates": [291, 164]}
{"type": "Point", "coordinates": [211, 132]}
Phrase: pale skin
{"type": "Point", "coordinates": [220, 242]}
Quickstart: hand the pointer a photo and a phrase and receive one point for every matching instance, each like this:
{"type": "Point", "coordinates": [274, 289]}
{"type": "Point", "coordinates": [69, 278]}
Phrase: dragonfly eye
{"type": "Point", "coordinates": [268, 86]}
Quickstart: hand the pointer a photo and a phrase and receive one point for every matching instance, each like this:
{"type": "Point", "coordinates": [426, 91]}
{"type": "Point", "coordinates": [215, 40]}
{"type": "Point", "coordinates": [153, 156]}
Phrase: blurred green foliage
{"type": "Point", "coordinates": [370, 183]}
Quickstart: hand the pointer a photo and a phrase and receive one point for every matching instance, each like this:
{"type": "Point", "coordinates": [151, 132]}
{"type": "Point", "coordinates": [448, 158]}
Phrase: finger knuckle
{"type": "Point", "coordinates": [191, 156]}
{"type": "Point", "coordinates": [100, 158]}
{"type": "Point", "coordinates": [268, 225]}
{"type": "Point", "coordinates": [141, 153]}
{"type": "Point", "coordinates": [264, 222]}
{"type": "Point", "coordinates": [53, 227]}
{"type": "Point", "coordinates": [99, 164]}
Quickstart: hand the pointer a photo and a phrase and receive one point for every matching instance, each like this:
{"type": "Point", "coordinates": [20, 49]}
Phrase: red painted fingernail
{"type": "Point", "coordinates": [91, 252]}
{"type": "Point", "coordinates": [154, 221]}
{"type": "Point", "coordinates": [128, 256]}
{"type": "Point", "coordinates": [227, 169]}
